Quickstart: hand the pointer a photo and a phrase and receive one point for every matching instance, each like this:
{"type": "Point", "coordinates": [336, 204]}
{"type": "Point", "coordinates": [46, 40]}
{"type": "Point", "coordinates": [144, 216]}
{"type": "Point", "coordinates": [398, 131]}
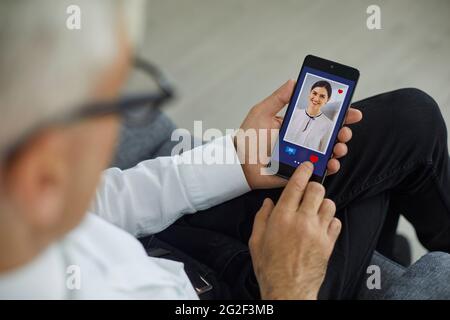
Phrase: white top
{"type": "Point", "coordinates": [101, 258]}
{"type": "Point", "coordinates": [309, 132]}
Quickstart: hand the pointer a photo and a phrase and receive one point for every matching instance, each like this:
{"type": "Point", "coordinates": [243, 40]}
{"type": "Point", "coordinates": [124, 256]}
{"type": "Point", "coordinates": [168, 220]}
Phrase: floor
{"type": "Point", "coordinates": [224, 56]}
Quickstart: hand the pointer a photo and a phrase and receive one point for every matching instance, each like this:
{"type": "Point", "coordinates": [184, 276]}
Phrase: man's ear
{"type": "Point", "coordinates": [36, 178]}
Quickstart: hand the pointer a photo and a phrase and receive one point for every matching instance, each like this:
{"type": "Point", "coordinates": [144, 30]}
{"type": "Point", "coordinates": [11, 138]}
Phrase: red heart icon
{"type": "Point", "coordinates": [340, 91]}
{"type": "Point", "coordinates": [313, 158]}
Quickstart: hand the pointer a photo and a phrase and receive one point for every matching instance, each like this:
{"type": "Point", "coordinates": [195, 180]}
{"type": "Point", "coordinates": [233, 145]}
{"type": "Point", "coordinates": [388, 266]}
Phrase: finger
{"type": "Point", "coordinates": [333, 166]}
{"type": "Point", "coordinates": [326, 211]}
{"type": "Point", "coordinates": [340, 150]}
{"type": "Point", "coordinates": [345, 134]}
{"type": "Point", "coordinates": [312, 199]}
{"type": "Point", "coordinates": [277, 100]}
{"type": "Point", "coordinates": [260, 222]}
{"type": "Point", "coordinates": [295, 188]}
{"type": "Point", "coordinates": [334, 229]}
{"type": "Point", "coordinates": [353, 116]}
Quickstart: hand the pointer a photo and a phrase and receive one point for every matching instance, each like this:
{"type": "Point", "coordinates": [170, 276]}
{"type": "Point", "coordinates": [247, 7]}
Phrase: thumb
{"type": "Point", "coordinates": [277, 100]}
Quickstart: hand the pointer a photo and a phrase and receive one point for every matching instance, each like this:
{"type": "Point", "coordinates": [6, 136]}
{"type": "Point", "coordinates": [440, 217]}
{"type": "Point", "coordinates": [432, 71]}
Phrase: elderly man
{"type": "Point", "coordinates": [58, 128]}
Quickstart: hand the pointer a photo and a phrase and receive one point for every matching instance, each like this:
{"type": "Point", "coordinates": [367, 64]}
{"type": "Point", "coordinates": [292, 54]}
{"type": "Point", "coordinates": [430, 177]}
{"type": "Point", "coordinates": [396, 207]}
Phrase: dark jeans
{"type": "Point", "coordinates": [398, 163]}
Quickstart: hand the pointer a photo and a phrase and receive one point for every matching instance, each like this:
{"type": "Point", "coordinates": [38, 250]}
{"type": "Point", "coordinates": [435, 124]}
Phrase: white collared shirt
{"type": "Point", "coordinates": [310, 132]}
{"type": "Point", "coordinates": [101, 258]}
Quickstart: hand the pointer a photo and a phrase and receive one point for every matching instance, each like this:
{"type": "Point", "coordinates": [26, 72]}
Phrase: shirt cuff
{"type": "Point", "coordinates": [212, 173]}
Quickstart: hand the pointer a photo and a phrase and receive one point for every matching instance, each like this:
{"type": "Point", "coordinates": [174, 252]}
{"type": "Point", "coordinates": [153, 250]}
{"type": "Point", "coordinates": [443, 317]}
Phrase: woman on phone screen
{"type": "Point", "coordinates": [309, 127]}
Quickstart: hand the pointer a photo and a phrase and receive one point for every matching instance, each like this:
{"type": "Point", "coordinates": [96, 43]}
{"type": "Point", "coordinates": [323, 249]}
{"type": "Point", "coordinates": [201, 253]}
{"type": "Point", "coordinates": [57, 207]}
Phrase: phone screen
{"type": "Point", "coordinates": [313, 118]}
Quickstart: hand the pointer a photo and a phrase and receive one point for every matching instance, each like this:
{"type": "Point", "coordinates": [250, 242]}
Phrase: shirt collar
{"type": "Point", "coordinates": [313, 117]}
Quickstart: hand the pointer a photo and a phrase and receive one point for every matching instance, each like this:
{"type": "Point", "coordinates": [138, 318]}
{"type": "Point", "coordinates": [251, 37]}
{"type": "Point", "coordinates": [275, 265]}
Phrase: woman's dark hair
{"type": "Point", "coordinates": [323, 84]}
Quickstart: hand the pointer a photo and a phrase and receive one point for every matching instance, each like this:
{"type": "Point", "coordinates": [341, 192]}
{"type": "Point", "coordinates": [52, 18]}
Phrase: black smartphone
{"type": "Point", "coordinates": [314, 116]}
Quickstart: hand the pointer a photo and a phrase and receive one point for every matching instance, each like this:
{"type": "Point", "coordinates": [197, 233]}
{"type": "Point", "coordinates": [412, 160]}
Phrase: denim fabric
{"type": "Point", "coordinates": [428, 278]}
{"type": "Point", "coordinates": [144, 141]}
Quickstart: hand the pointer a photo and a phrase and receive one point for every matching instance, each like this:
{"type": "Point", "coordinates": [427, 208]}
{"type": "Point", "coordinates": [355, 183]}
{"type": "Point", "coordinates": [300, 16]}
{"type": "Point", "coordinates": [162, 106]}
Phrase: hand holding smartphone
{"type": "Point", "coordinates": [314, 116]}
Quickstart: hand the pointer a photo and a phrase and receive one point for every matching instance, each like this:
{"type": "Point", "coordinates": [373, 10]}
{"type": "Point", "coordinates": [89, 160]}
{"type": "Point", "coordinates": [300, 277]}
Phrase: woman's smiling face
{"type": "Point", "coordinates": [318, 97]}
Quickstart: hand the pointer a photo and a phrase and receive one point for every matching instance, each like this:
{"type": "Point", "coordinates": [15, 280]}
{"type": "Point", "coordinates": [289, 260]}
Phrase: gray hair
{"type": "Point", "coordinates": [47, 69]}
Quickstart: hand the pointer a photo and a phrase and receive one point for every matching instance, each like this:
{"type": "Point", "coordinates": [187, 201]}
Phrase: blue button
{"type": "Point", "coordinates": [290, 150]}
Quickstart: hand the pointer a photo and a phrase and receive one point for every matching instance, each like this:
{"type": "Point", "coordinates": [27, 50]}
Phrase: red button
{"type": "Point", "coordinates": [313, 158]}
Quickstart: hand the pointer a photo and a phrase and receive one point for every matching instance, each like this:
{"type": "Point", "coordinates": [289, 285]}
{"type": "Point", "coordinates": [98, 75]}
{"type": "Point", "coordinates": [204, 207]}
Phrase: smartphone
{"type": "Point", "coordinates": [314, 116]}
